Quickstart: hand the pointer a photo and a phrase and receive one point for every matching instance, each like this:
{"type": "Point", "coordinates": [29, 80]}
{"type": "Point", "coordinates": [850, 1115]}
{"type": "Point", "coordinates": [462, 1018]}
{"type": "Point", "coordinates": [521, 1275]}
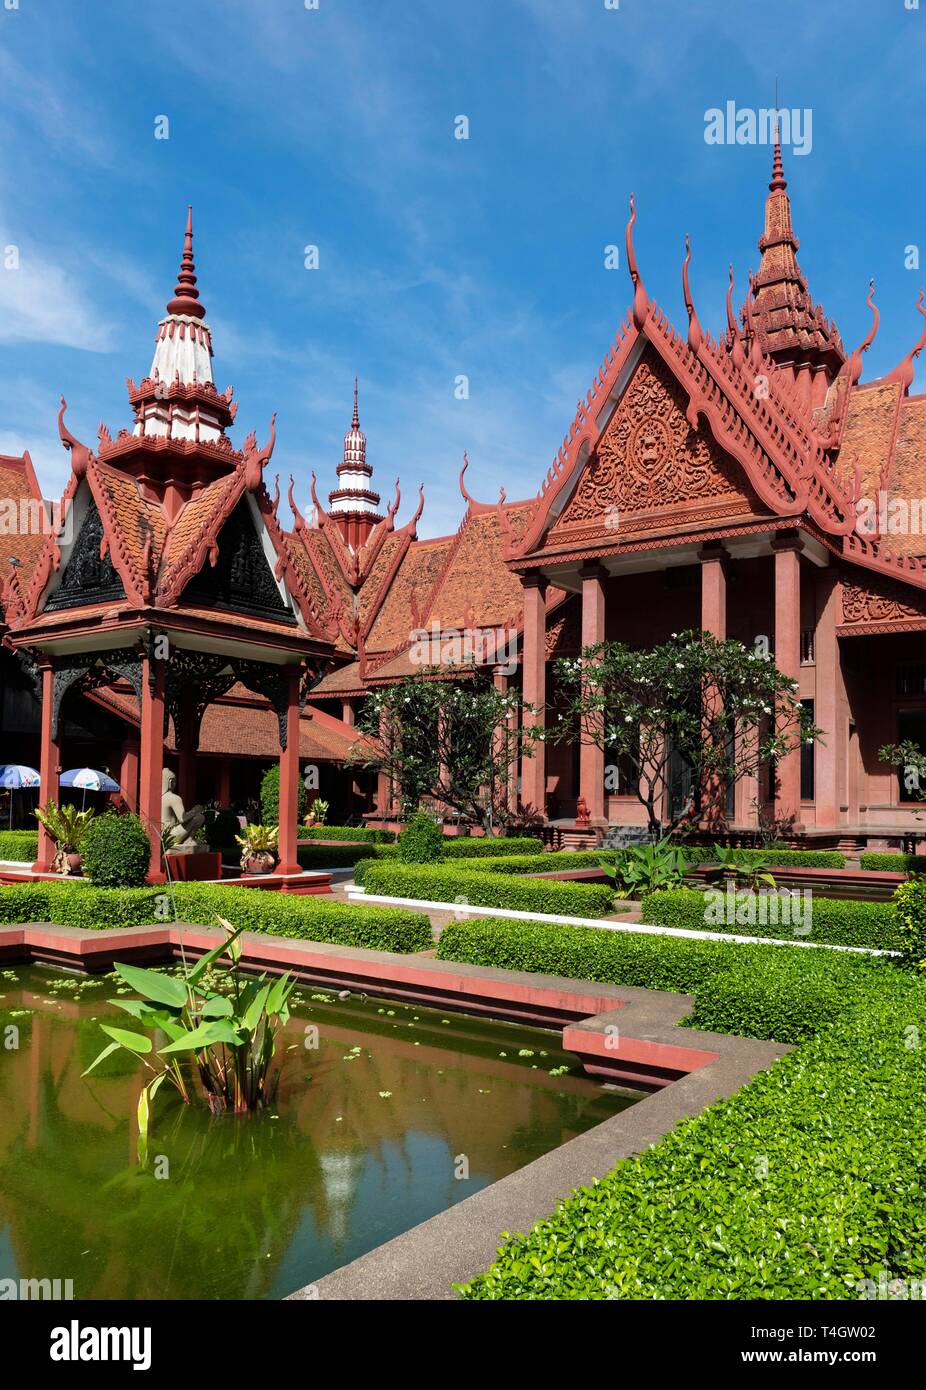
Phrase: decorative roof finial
{"type": "Point", "coordinates": [904, 372]}
{"type": "Point", "coordinates": [854, 364]}
{"type": "Point", "coordinates": [694, 327]}
{"type": "Point", "coordinates": [779, 183]}
{"type": "Point", "coordinates": [736, 344]}
{"type": "Point", "coordinates": [355, 421]}
{"type": "Point", "coordinates": [640, 299]}
{"type": "Point", "coordinates": [186, 295]}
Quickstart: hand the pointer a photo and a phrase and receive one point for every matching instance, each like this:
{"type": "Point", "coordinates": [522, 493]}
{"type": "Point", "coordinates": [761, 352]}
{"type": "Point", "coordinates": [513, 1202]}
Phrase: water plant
{"type": "Point", "coordinates": [750, 873]}
{"type": "Point", "coordinates": [221, 1040]}
{"type": "Point", "coordinates": [642, 869]}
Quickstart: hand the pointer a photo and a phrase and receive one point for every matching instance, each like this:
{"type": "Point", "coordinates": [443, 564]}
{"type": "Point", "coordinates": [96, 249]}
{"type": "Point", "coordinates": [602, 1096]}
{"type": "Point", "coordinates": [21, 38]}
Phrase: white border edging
{"type": "Point", "coordinates": [464, 911]}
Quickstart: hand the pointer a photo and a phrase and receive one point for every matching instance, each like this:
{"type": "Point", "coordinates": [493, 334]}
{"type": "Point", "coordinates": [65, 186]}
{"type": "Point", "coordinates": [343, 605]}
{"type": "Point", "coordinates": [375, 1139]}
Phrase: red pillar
{"type": "Point", "coordinates": [714, 620]}
{"type": "Point", "coordinates": [349, 712]}
{"type": "Point", "coordinates": [223, 783]}
{"type": "Point", "coordinates": [128, 776]}
{"type": "Point", "coordinates": [788, 660]}
{"type": "Point", "coordinates": [827, 690]}
{"type": "Point", "coordinates": [534, 667]}
{"type": "Point", "coordinates": [289, 780]}
{"type": "Point", "coordinates": [186, 749]}
{"type": "Point", "coordinates": [714, 591]}
{"type": "Point", "coordinates": [151, 744]}
{"type": "Point", "coordinates": [49, 767]}
{"type": "Point", "coordinates": [591, 753]}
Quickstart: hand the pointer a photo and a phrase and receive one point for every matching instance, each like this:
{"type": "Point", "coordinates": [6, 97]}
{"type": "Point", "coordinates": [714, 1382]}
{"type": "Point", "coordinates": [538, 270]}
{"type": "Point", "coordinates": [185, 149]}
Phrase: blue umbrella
{"type": "Point", "coordinates": [16, 775]}
{"type": "Point", "coordinates": [88, 779]}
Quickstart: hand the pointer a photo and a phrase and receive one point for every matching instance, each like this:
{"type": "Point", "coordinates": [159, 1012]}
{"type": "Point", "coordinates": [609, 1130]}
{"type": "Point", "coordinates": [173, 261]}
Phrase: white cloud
{"type": "Point", "coordinates": [41, 303]}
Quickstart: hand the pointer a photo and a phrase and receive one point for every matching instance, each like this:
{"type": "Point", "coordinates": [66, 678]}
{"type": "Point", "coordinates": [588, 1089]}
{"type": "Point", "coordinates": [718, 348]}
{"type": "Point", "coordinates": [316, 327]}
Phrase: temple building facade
{"type": "Point", "coordinates": [751, 485]}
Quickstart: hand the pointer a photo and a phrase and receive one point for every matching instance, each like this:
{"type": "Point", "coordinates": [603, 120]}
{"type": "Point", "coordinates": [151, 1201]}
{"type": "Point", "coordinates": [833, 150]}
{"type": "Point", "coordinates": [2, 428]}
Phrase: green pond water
{"type": "Point", "coordinates": [366, 1138]}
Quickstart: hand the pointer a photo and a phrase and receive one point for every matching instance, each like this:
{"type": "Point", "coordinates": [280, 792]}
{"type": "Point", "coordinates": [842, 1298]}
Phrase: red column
{"type": "Point", "coordinates": [128, 776]}
{"type": "Point", "coordinates": [534, 668]}
{"type": "Point", "coordinates": [349, 712]}
{"type": "Point", "coordinates": [788, 660]}
{"type": "Point", "coordinates": [49, 767]}
{"type": "Point", "coordinates": [591, 753]}
{"type": "Point", "coordinates": [714, 591]}
{"type": "Point", "coordinates": [186, 749]}
{"type": "Point", "coordinates": [223, 783]}
{"type": "Point", "coordinates": [289, 780]}
{"type": "Point", "coordinates": [151, 745]}
{"type": "Point", "coordinates": [827, 692]}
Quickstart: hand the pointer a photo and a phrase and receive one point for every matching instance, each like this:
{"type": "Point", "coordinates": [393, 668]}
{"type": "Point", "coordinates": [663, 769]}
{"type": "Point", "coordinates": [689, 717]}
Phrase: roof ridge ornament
{"type": "Point", "coordinates": [186, 295]}
{"type": "Point", "coordinates": [695, 333]}
{"type": "Point", "coordinates": [736, 343]}
{"type": "Point", "coordinates": [855, 361]}
{"type": "Point", "coordinates": [904, 372]}
{"type": "Point", "coordinates": [640, 299]}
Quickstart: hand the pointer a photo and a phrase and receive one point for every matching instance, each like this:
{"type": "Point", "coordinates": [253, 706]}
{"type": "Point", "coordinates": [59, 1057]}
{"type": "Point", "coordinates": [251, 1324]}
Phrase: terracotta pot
{"type": "Point", "coordinates": [74, 863]}
{"type": "Point", "coordinates": [260, 863]}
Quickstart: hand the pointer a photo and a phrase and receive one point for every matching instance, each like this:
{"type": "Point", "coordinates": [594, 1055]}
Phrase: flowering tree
{"type": "Point", "coordinates": [721, 707]}
{"type": "Point", "coordinates": [458, 742]}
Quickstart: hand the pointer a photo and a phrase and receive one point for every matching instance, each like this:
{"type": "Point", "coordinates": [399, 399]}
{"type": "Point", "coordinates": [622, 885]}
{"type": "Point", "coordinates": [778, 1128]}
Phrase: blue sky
{"type": "Point", "coordinates": [438, 257]}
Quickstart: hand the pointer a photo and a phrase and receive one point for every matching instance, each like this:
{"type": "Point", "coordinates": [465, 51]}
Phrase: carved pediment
{"type": "Point", "coordinates": [649, 460]}
{"type": "Point", "coordinates": [241, 580]}
{"type": "Point", "coordinates": [881, 605]}
{"type": "Point", "coordinates": [89, 575]}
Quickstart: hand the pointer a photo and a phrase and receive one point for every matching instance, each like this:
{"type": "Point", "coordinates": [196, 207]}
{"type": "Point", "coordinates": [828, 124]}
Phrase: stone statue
{"type": "Point", "coordinates": [582, 812]}
{"type": "Point", "coordinates": [178, 826]}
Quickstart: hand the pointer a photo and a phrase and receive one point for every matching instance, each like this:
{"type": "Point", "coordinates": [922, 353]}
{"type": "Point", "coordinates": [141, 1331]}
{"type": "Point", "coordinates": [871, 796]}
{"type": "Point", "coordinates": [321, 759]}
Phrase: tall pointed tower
{"type": "Point", "coordinates": [354, 505]}
{"type": "Point", "coordinates": [177, 445]}
{"type": "Point", "coordinates": [791, 329]}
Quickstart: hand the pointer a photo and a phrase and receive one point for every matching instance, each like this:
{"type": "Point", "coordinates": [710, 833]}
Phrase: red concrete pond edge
{"type": "Point", "coordinates": [626, 1036]}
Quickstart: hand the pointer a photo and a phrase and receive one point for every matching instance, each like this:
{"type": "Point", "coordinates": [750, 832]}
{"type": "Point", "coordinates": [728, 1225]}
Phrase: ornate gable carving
{"type": "Point", "coordinates": [89, 576]}
{"type": "Point", "coordinates": [650, 460]}
{"type": "Point", "coordinates": [881, 605]}
{"type": "Point", "coordinates": [241, 580]}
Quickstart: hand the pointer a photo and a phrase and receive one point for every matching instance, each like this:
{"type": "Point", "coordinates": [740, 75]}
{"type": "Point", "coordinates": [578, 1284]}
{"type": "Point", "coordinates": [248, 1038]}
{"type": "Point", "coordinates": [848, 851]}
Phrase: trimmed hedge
{"type": "Point", "coordinates": [372, 834]}
{"type": "Point", "coordinates": [775, 858]}
{"type": "Point", "coordinates": [773, 992]}
{"type": "Point", "coordinates": [421, 839]}
{"type": "Point", "coordinates": [446, 883]}
{"type": "Point", "coordinates": [532, 863]}
{"type": "Point", "coordinates": [910, 906]}
{"type": "Point", "coordinates": [893, 863]}
{"type": "Point", "coordinates": [116, 852]}
{"type": "Point", "coordinates": [270, 796]}
{"type": "Point", "coordinates": [489, 846]}
{"type": "Point", "coordinates": [804, 1183]}
{"type": "Point", "coordinates": [834, 920]}
{"type": "Point", "coordinates": [19, 845]}
{"type": "Point", "coordinates": [334, 856]}
{"type": "Point", "coordinates": [279, 914]}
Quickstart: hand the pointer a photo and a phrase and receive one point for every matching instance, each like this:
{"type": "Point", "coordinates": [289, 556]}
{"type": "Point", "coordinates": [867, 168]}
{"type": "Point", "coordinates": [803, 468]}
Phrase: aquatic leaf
{"type": "Point", "coordinates": [217, 1006]}
{"type": "Point", "coordinates": [214, 1031]}
{"type": "Point", "coordinates": [107, 1051]}
{"type": "Point", "coordinates": [153, 985]}
{"type": "Point", "coordinates": [135, 1042]}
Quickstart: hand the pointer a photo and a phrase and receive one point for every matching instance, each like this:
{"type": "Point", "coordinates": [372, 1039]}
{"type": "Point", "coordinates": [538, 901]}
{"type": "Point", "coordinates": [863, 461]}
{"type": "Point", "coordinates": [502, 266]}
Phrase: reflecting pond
{"type": "Point", "coordinates": [386, 1114]}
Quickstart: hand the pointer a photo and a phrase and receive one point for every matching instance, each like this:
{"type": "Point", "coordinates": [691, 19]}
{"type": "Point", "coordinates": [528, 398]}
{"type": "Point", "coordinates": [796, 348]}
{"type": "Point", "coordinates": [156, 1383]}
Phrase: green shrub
{"type": "Point", "coordinates": [371, 833]}
{"type": "Point", "coordinates": [776, 858]}
{"type": "Point", "coordinates": [893, 863]}
{"type": "Point", "coordinates": [333, 856]}
{"type": "Point", "coordinates": [910, 905]}
{"type": "Point", "coordinates": [421, 840]}
{"type": "Point", "coordinates": [270, 796]}
{"type": "Point", "coordinates": [807, 1181]}
{"type": "Point", "coordinates": [22, 846]}
{"type": "Point", "coordinates": [775, 992]}
{"type": "Point", "coordinates": [279, 914]}
{"type": "Point", "coordinates": [561, 860]}
{"type": "Point", "coordinates": [446, 883]}
{"type": "Point", "coordinates": [833, 920]}
{"type": "Point", "coordinates": [488, 846]}
{"type": "Point", "coordinates": [116, 852]}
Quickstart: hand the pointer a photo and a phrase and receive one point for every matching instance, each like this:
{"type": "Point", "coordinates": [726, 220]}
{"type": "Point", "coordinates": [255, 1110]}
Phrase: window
{"type": "Point", "coordinates": [911, 725]}
{"type": "Point", "coordinates": [808, 754]}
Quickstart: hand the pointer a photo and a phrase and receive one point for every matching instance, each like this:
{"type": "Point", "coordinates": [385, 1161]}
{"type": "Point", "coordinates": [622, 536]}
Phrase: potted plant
{"type": "Point", "coordinates": [258, 848]}
{"type": "Point", "coordinates": [317, 813]}
{"type": "Point", "coordinates": [68, 828]}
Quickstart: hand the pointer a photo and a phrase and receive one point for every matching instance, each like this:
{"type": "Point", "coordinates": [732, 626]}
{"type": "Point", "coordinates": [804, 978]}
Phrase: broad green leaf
{"type": "Point", "coordinates": [217, 1006]}
{"type": "Point", "coordinates": [254, 1012]}
{"type": "Point", "coordinates": [217, 1031]}
{"type": "Point", "coordinates": [163, 989]}
{"type": "Point", "coordinates": [279, 994]}
{"type": "Point", "coordinates": [135, 1042]}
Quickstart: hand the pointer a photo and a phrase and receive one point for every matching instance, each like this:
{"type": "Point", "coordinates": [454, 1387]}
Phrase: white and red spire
{"type": "Point", "coordinates": [354, 504]}
{"type": "Point", "coordinates": [183, 347]}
